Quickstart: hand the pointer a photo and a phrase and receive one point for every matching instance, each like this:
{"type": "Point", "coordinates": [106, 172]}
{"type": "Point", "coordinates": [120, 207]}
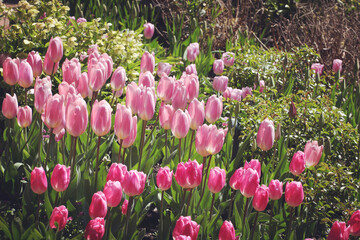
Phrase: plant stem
{"type": "Point", "coordinates": [206, 174]}
{"type": "Point", "coordinates": [245, 213]}
{"type": "Point", "coordinates": [25, 96]}
{"type": "Point", "coordinates": [212, 206]}
{"type": "Point", "coordinates": [56, 199]}
{"type": "Point", "coordinates": [128, 212]}
{"type": "Point", "coordinates": [107, 223]}
{"type": "Point", "coordinates": [179, 150]}
{"type": "Point", "coordinates": [48, 149]}
{"type": "Point", "coordinates": [38, 211]}
{"type": "Point", "coordinates": [271, 213]}
{"type": "Point", "coordinates": [121, 142]}
{"type": "Point", "coordinates": [288, 231]}
{"type": "Point", "coordinates": [231, 204]}
{"type": "Point", "coordinates": [253, 229]}
{"type": "Point", "coordinates": [97, 163]}
{"type": "Point", "coordinates": [188, 203]}
{"type": "Point", "coordinates": [113, 98]}
{"type": "Point", "coordinates": [123, 158]}
{"type": "Point", "coordinates": [74, 157]}
{"type": "Point", "coordinates": [166, 143]}
{"type": "Point", "coordinates": [153, 129]}
{"type": "Point", "coordinates": [40, 139]}
{"type": "Point", "coordinates": [161, 213]}
{"type": "Point", "coordinates": [142, 143]}
{"type": "Point", "coordinates": [183, 202]}
{"type": "Point", "coordinates": [63, 149]}
{"type": "Point", "coordinates": [202, 174]}
{"type": "Point", "coordinates": [71, 150]}
{"type": "Point", "coordinates": [191, 141]}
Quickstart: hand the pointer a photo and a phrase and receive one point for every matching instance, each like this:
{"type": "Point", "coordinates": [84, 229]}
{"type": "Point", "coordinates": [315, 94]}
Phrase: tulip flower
{"type": "Point", "coordinates": [278, 132]}
{"type": "Point", "coordinates": [184, 226]}
{"type": "Point", "coordinates": [101, 117]}
{"type": "Point", "coordinates": [146, 103]}
{"type": "Point", "coordinates": [250, 181]}
{"type": "Point", "coordinates": [196, 111]}
{"type": "Point", "coordinates": [317, 67]}
{"type": "Point", "coordinates": [165, 88]}
{"type": "Point", "coordinates": [275, 189]}
{"type": "Point", "coordinates": [10, 106]}
{"type": "Point", "coordinates": [107, 61]}
{"type": "Point", "coordinates": [71, 71]}
{"type": "Point", "coordinates": [262, 86]}
{"type": "Point", "coordinates": [192, 51]}
{"type": "Point", "coordinates": [189, 174]}
{"type": "Point", "coordinates": [246, 91]}
{"type": "Point", "coordinates": [83, 86]}
{"type": "Point", "coordinates": [292, 110]}
{"type": "Point", "coordinates": [95, 229]}
{"type": "Point", "coordinates": [25, 74]}
{"type": "Point", "coordinates": [134, 183]}
{"type": "Point", "coordinates": [294, 193]}
{"type": "Point", "coordinates": [178, 98]}
{"type": "Point", "coordinates": [146, 79]}
{"type": "Point", "coordinates": [60, 178]}
{"type": "Point", "coordinates": [254, 164]}
{"type": "Point", "coordinates": [164, 178]}
{"type": "Point", "coordinates": [180, 123]}
{"type": "Point", "coordinates": [98, 205]}
{"type": "Point", "coordinates": [124, 207]}
{"type": "Point", "coordinates": [201, 139]}
{"type": "Point", "coordinates": [337, 65]}
{"type": "Point", "coordinates": [217, 179]}
{"type": "Point", "coordinates": [163, 68]}
{"type": "Point", "coordinates": [191, 69]}
{"type": "Point", "coordinates": [236, 179]}
{"type": "Point", "coordinates": [131, 138]}
{"type": "Point", "coordinates": [132, 99]}
{"type": "Point", "coordinates": [76, 117]}
{"type": "Point", "coordinates": [182, 237]}
{"type": "Point", "coordinates": [81, 20]}
{"type": "Point", "coordinates": [113, 193]}
{"type": "Point", "coordinates": [11, 71]}
{"type": "Point", "coordinates": [54, 111]}
{"type": "Point", "coordinates": [55, 49]}
{"type": "Point", "coordinates": [59, 135]}
{"type": "Point", "coordinates": [227, 231]}
{"type": "Point", "coordinates": [59, 216]}
{"type": "Point", "coordinates": [354, 224]}
{"type": "Point", "coordinates": [297, 164]}
{"type": "Point", "coordinates": [166, 113]}
{"type": "Point", "coordinates": [123, 122]}
{"type": "Point", "coordinates": [191, 83]}
{"type": "Point", "coordinates": [236, 95]}
{"type": "Point", "coordinates": [220, 83]}
{"type": "Point", "coordinates": [261, 198]}
{"type": "Point", "coordinates": [117, 172]}
{"type": "Point", "coordinates": [147, 62]}
{"type": "Point", "coordinates": [38, 181]}
{"type": "Point", "coordinates": [312, 153]}
{"type": "Point", "coordinates": [228, 58]}
{"type": "Point", "coordinates": [266, 135]}
{"type": "Point", "coordinates": [213, 109]}
{"type": "Point", "coordinates": [339, 231]}
{"type": "Point", "coordinates": [65, 88]}
{"type": "Point", "coordinates": [148, 30]}
{"type": "Point", "coordinates": [48, 66]}
{"type": "Point", "coordinates": [118, 79]}
{"type": "Point", "coordinates": [42, 91]}
{"type": "Point", "coordinates": [97, 76]}
{"type": "Point", "coordinates": [218, 66]}
{"type": "Point", "coordinates": [216, 140]}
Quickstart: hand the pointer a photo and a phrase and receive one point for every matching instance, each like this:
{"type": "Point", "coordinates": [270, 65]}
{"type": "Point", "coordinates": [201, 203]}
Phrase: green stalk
{"type": "Point", "coordinates": [179, 150]}
{"type": "Point", "coordinates": [74, 157]}
{"type": "Point", "coordinates": [40, 139]}
{"type": "Point", "coordinates": [191, 141]}
{"type": "Point", "coordinates": [288, 230]}
{"type": "Point", "coordinates": [142, 143]}
{"type": "Point", "coordinates": [253, 229]}
{"type": "Point", "coordinates": [188, 203]}
{"type": "Point", "coordinates": [212, 206]}
{"type": "Point", "coordinates": [245, 213]}
{"type": "Point", "coordinates": [48, 149]}
{"type": "Point", "coordinates": [119, 158]}
{"type": "Point", "coordinates": [128, 212]}
{"type": "Point", "coordinates": [97, 163]}
{"type": "Point", "coordinates": [56, 199]}
{"type": "Point", "coordinates": [206, 174]}
{"type": "Point", "coordinates": [231, 204]}
{"type": "Point", "coordinates": [166, 143]}
{"type": "Point", "coordinates": [162, 214]}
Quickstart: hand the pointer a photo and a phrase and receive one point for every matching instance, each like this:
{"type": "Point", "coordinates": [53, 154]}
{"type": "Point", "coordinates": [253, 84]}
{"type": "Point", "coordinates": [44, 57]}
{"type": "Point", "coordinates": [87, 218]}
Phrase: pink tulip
{"type": "Point", "coordinates": [76, 117]}
{"type": "Point", "coordinates": [123, 121]}
{"type": "Point", "coordinates": [236, 179]}
{"type": "Point", "coordinates": [118, 79]}
{"type": "Point", "coordinates": [178, 98]}
{"type": "Point", "coordinates": [146, 79]}
{"type": "Point", "coordinates": [25, 74]}
{"type": "Point", "coordinates": [81, 20]}
{"type": "Point", "coordinates": [192, 51]}
{"type": "Point", "coordinates": [180, 123]}
{"type": "Point", "coordinates": [117, 172]}
{"type": "Point", "coordinates": [228, 58]}
{"type": "Point", "coordinates": [317, 67]}
{"type": "Point", "coordinates": [312, 153]}
{"type": "Point", "coordinates": [246, 91]}
{"type": "Point", "coordinates": [38, 181]}
{"type": "Point", "coordinates": [148, 30]}
{"type": "Point", "coordinates": [132, 99]}
{"type": "Point", "coordinates": [59, 135]}
{"type": "Point", "coordinates": [101, 117]}
{"type": "Point", "coordinates": [35, 62]}
{"type": "Point", "coordinates": [71, 71]}
{"type": "Point", "coordinates": [254, 164]}
{"type": "Point", "coordinates": [113, 193]}
{"type": "Point", "coordinates": [182, 237]}
{"type": "Point", "coordinates": [54, 111]}
{"type": "Point", "coordinates": [147, 62]}
{"type": "Point", "coordinates": [83, 86]}
{"type": "Point", "coordinates": [191, 69]}
{"type": "Point", "coordinates": [124, 207]}
{"type": "Point", "coordinates": [95, 229]}
{"type": "Point", "coordinates": [294, 193]}
{"type": "Point", "coordinates": [339, 231]}
{"type": "Point", "coordinates": [42, 91]}
{"type": "Point", "coordinates": [189, 174]}
{"type": "Point", "coordinates": [166, 113]}
{"type": "Point", "coordinates": [213, 109]}
{"type": "Point", "coordinates": [184, 226]}
{"type": "Point", "coordinates": [119, 93]}
{"type": "Point", "coordinates": [146, 103]}
{"type": "Point", "coordinates": [217, 179]}
{"type": "Point", "coordinates": [131, 138]}
{"type": "Point", "coordinates": [10, 106]}
{"type": "Point", "coordinates": [164, 178]}
{"type": "Point", "coordinates": [98, 205]}
{"type": "Point", "coordinates": [337, 65]}
{"type": "Point", "coordinates": [266, 135]}
{"type": "Point", "coordinates": [261, 198]}
{"type": "Point", "coordinates": [236, 95]}
{"type": "Point", "coordinates": [262, 86]}
{"type": "Point", "coordinates": [215, 141]}
{"type": "Point", "coordinates": [354, 224]}
{"type": "Point", "coordinates": [55, 49]}
{"type": "Point", "coordinates": [64, 88]}
{"type": "Point", "coordinates": [297, 164]}
{"type": "Point", "coordinates": [250, 181]}
{"type": "Point", "coordinates": [49, 67]}
{"type": "Point", "coordinates": [11, 70]}
{"type": "Point", "coordinates": [227, 231]}
{"type": "Point", "coordinates": [201, 139]}
{"type": "Point", "coordinates": [165, 88]}
{"type": "Point", "coordinates": [218, 66]}
{"type": "Point", "coordinates": [196, 111]}
{"type": "Point", "coordinates": [97, 76]}
{"type": "Point", "coordinates": [24, 116]}
{"type": "Point", "coordinates": [192, 86]}
{"type": "Point", "coordinates": [134, 183]}
{"type": "Point", "coordinates": [275, 189]}
{"type": "Point", "coordinates": [220, 83]}
{"type": "Point", "coordinates": [59, 216]}
{"type": "Point", "coordinates": [163, 68]}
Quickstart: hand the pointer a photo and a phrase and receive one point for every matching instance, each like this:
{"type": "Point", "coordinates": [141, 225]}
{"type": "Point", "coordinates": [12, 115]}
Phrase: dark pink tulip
{"type": "Point", "coordinates": [217, 179]}
{"type": "Point", "coordinates": [292, 110]}
{"type": "Point", "coordinates": [131, 138]}
{"type": "Point", "coordinates": [201, 139]}
{"type": "Point", "coordinates": [146, 79]}
{"type": "Point", "coordinates": [98, 205]}
{"type": "Point", "coordinates": [123, 121]}
{"type": "Point", "coordinates": [25, 74]}
{"type": "Point", "coordinates": [227, 231]}
{"type": "Point", "coordinates": [180, 123]}
{"type": "Point", "coordinates": [262, 86]}
{"type": "Point", "coordinates": [228, 58]}
{"type": "Point", "coordinates": [166, 113]}
{"type": "Point", "coordinates": [54, 111]}
{"type": "Point", "coordinates": [182, 237]}
{"type": "Point", "coordinates": [55, 49]}
{"type": "Point", "coordinates": [184, 226]}
{"type": "Point", "coordinates": [164, 178]}
{"type": "Point", "coordinates": [10, 106]}
{"type": "Point", "coordinates": [261, 198]}
{"type": "Point", "coordinates": [134, 183]}
{"type": "Point", "coordinates": [35, 62]}
{"type": "Point", "coordinates": [266, 135]}
{"type": "Point", "coordinates": [118, 79]}
{"type": "Point", "coordinates": [71, 71]}
{"type": "Point", "coordinates": [196, 111]}
{"type": "Point", "coordinates": [213, 109]}
{"type": "Point", "coordinates": [124, 207]}
{"type": "Point", "coordinates": [95, 229]}
{"type": "Point", "coordinates": [192, 86]}
{"type": "Point", "coordinates": [148, 30]}
{"type": "Point", "coordinates": [83, 86]}
{"type": "Point", "coordinates": [220, 83]}
{"type": "Point", "coordinates": [113, 193]}
{"type": "Point", "coordinates": [117, 172]}
{"type": "Point", "coordinates": [246, 91]}
{"type": "Point", "coordinates": [337, 65]}
{"type": "Point", "coordinates": [165, 88]}
{"type": "Point", "coordinates": [354, 224]}
{"type": "Point", "coordinates": [294, 193]}
{"type": "Point", "coordinates": [191, 69]}
{"type": "Point", "coordinates": [250, 181]}
{"type": "Point", "coordinates": [218, 66]}
{"type": "Point", "coordinates": [178, 99]}
{"type": "Point", "coordinates": [132, 93]}
{"type": "Point", "coordinates": [48, 65]}
{"type": "Point", "coordinates": [254, 164]}
{"type": "Point", "coordinates": [11, 70]}
{"type": "Point", "coordinates": [317, 67]}
{"type": "Point", "coordinates": [146, 103]}
{"type": "Point", "coordinates": [275, 189]}
{"type": "Point", "coordinates": [24, 116]}
{"type": "Point", "coordinates": [339, 231]}
{"type": "Point", "coordinates": [101, 117]}
{"type": "Point", "coordinates": [38, 181]}
{"type": "Point", "coordinates": [97, 76]}
{"type": "Point", "coordinates": [216, 140]}
{"type": "Point", "coordinates": [59, 135]}
{"type": "Point", "coordinates": [192, 51]}
{"type": "Point", "coordinates": [59, 216]}
{"type": "Point", "coordinates": [236, 179]}
{"type": "Point", "coordinates": [189, 174]}
{"type": "Point", "coordinates": [76, 117]}
{"type": "Point", "coordinates": [163, 68]}
{"type": "Point", "coordinates": [147, 62]}
{"type": "Point", "coordinates": [42, 91]}
{"type": "Point", "coordinates": [312, 153]}
{"type": "Point", "coordinates": [60, 178]}
{"type": "Point", "coordinates": [297, 164]}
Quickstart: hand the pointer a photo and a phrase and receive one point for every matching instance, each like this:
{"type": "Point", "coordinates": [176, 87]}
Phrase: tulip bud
{"type": "Point", "coordinates": [189, 174]}
{"type": "Point", "coordinates": [42, 91]}
{"type": "Point", "coordinates": [83, 86]}
{"type": "Point", "coordinates": [146, 79]}
{"type": "Point", "coordinates": [117, 172]}
{"type": "Point", "coordinates": [11, 71]}
{"type": "Point", "coordinates": [184, 226]}
{"type": "Point", "coordinates": [246, 91]}
{"type": "Point", "coordinates": [191, 69]}
{"type": "Point", "coordinates": [148, 30]}
{"type": "Point", "coordinates": [98, 205]}
{"type": "Point", "coordinates": [147, 62]}
{"type": "Point", "coordinates": [10, 106]}
{"type": "Point", "coordinates": [292, 110]}
{"type": "Point", "coordinates": [81, 20]}
{"type": "Point", "coordinates": [166, 113]}
{"type": "Point", "coordinates": [123, 122]}
{"type": "Point", "coordinates": [164, 178]}
{"type": "Point", "coordinates": [275, 189]}
{"type": "Point", "coordinates": [312, 153]}
{"type": "Point", "coordinates": [227, 231]}
{"type": "Point", "coordinates": [49, 66]}
{"type": "Point", "coordinates": [218, 66]}
{"type": "Point", "coordinates": [132, 92]}
{"type": "Point", "coordinates": [278, 132]}
{"type": "Point", "coordinates": [261, 198]}
{"type": "Point", "coordinates": [216, 139]}
{"type": "Point", "coordinates": [118, 79]}
{"type": "Point", "coordinates": [35, 62]}
{"type": "Point", "coordinates": [59, 216]}
{"type": "Point", "coordinates": [236, 179]}
{"type": "Point", "coordinates": [192, 51]}
{"type": "Point", "coordinates": [55, 49]}
{"type": "Point", "coordinates": [297, 164]}
{"type": "Point", "coordinates": [180, 123]}
{"type": "Point", "coordinates": [165, 88]}
{"type": "Point", "coordinates": [95, 229]}
{"type": "Point", "coordinates": [60, 178]}
{"type": "Point", "coordinates": [192, 86]}
{"type": "Point", "coordinates": [228, 58]}
{"type": "Point", "coordinates": [134, 183]}
{"type": "Point", "coordinates": [178, 97]}
{"type": "Point", "coordinates": [337, 65]}
{"type": "Point", "coordinates": [131, 138]}
{"type": "Point", "coordinates": [38, 180]}
{"type": "Point", "coordinates": [217, 179]}
{"type": "Point", "coordinates": [124, 207]}
{"type": "Point", "coordinates": [266, 135]}
{"type": "Point", "coordinates": [339, 231]}
{"type": "Point", "coordinates": [250, 181]}
{"type": "Point", "coordinates": [196, 111]}
{"type": "Point", "coordinates": [97, 76]}
{"type": "Point", "coordinates": [163, 68]}
{"type": "Point", "coordinates": [101, 117]}
{"type": "Point", "coordinates": [25, 74]}
{"type": "Point", "coordinates": [146, 103]}
{"type": "Point", "coordinates": [354, 224]}
{"type": "Point", "coordinates": [317, 67]}
{"type": "Point", "coordinates": [213, 109]}
{"type": "Point", "coordinates": [71, 71]}
{"type": "Point", "coordinates": [113, 193]}
{"type": "Point", "coordinates": [262, 86]}
{"type": "Point", "coordinates": [201, 140]}
{"type": "Point", "coordinates": [54, 111]}
{"type": "Point", "coordinates": [294, 193]}
{"type": "Point", "coordinates": [220, 83]}
{"type": "Point", "coordinates": [76, 117]}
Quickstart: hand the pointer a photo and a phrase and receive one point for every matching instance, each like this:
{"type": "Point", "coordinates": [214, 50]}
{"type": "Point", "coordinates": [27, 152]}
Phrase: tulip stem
{"type": "Point", "coordinates": [48, 149]}
{"type": "Point", "coordinates": [97, 162]}
{"type": "Point", "coordinates": [25, 96]}
{"type": "Point", "coordinates": [63, 149]}
{"type": "Point", "coordinates": [12, 90]}
{"type": "Point", "coordinates": [166, 143]}
{"type": "Point", "coordinates": [271, 213]}
{"type": "Point", "coordinates": [161, 213]}
{"type": "Point", "coordinates": [183, 202]}
{"type": "Point", "coordinates": [52, 71]}
{"type": "Point", "coordinates": [188, 203]}
{"type": "Point", "coordinates": [179, 150]}
{"type": "Point", "coordinates": [74, 157]}
{"type": "Point", "coordinates": [56, 199]}
{"type": "Point", "coordinates": [253, 229]}
{"type": "Point", "coordinates": [245, 213]}
{"type": "Point", "coordinates": [107, 223]}
{"type": "Point", "coordinates": [71, 151]}
{"type": "Point", "coordinates": [128, 212]}
{"type": "Point", "coordinates": [27, 138]}
{"type": "Point", "coordinates": [38, 210]}
{"type": "Point", "coordinates": [152, 130]}
{"type": "Point", "coordinates": [142, 143]}
{"type": "Point", "coordinates": [113, 98]}
{"type": "Point", "coordinates": [206, 174]}
{"type": "Point", "coordinates": [288, 231]}
{"type": "Point", "coordinates": [202, 174]}
{"type": "Point", "coordinates": [40, 139]}
{"type": "Point", "coordinates": [123, 158]}
{"type": "Point", "coordinates": [119, 159]}
{"type": "Point", "coordinates": [212, 206]}
{"type": "Point", "coordinates": [231, 203]}
{"type": "Point", "coordinates": [191, 141]}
